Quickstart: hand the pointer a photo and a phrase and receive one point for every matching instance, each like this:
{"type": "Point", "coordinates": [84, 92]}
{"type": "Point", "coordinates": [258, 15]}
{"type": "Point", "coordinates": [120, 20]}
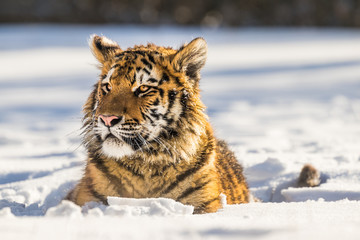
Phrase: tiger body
{"type": "Point", "coordinates": [146, 132]}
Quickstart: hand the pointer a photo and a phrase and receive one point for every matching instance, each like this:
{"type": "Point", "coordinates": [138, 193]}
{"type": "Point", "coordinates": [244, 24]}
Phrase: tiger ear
{"type": "Point", "coordinates": [103, 48]}
{"type": "Point", "coordinates": [191, 58]}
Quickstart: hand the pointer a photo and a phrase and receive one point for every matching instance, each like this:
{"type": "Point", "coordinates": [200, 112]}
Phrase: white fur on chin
{"type": "Point", "coordinates": [116, 149]}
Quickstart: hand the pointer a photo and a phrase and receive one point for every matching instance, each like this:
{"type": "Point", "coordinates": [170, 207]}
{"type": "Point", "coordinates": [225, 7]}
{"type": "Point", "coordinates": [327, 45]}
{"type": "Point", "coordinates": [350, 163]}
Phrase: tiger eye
{"type": "Point", "coordinates": [143, 88]}
{"type": "Point", "coordinates": [108, 87]}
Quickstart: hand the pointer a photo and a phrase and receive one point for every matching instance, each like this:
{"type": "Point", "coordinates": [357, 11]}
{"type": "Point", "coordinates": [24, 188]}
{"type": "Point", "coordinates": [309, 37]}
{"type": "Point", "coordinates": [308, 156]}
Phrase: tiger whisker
{"type": "Point", "coordinates": [146, 144]}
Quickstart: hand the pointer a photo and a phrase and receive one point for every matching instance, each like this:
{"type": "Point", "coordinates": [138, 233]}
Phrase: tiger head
{"type": "Point", "coordinates": [146, 97]}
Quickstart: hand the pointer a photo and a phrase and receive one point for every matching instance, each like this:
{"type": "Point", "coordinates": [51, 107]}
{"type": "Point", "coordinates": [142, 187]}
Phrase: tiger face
{"type": "Point", "coordinates": [142, 96]}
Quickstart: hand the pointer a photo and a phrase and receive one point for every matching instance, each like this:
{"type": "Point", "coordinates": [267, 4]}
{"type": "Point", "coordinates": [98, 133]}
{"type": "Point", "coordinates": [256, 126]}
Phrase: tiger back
{"type": "Point", "coordinates": [146, 132]}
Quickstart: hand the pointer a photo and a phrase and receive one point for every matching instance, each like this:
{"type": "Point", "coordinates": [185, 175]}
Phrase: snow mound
{"type": "Point", "coordinates": [123, 207]}
{"type": "Point", "coordinates": [148, 206]}
{"type": "Point", "coordinates": [65, 208]}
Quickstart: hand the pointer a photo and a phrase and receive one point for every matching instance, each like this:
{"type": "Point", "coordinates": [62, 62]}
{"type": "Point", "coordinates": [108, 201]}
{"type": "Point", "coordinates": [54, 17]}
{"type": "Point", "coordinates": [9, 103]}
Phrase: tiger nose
{"type": "Point", "coordinates": [110, 121]}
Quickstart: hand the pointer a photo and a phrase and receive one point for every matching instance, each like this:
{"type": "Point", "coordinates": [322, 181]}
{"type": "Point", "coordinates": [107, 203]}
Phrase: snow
{"type": "Point", "coordinates": [122, 207]}
{"type": "Point", "coordinates": [308, 220]}
{"type": "Point", "coordinates": [280, 97]}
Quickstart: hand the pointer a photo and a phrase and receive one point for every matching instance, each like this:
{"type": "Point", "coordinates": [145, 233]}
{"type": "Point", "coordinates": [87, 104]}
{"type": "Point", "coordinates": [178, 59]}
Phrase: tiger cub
{"type": "Point", "coordinates": [146, 132]}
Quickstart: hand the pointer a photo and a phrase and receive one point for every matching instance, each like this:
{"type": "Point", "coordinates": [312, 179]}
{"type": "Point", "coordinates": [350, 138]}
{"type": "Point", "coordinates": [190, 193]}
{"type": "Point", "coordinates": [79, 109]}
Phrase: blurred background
{"type": "Point", "coordinates": [213, 13]}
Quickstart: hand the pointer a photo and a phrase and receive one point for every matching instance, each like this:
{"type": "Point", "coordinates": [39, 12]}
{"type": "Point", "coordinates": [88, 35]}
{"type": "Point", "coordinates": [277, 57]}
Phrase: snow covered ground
{"type": "Point", "coordinates": [280, 97]}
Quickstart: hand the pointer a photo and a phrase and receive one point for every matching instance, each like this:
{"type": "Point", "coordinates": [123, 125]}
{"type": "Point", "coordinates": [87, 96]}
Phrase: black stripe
{"type": "Point", "coordinates": [102, 77]}
{"type": "Point", "coordinates": [151, 59]}
{"type": "Point", "coordinates": [147, 63]}
{"type": "Point", "coordinates": [207, 203]}
{"type": "Point", "coordinates": [130, 169]}
{"type": "Point", "coordinates": [151, 149]}
{"type": "Point", "coordinates": [134, 79]}
{"type": "Point", "coordinates": [165, 78]}
{"type": "Point", "coordinates": [169, 121]}
{"type": "Point", "coordinates": [99, 164]}
{"type": "Point", "coordinates": [225, 167]}
{"type": "Point", "coordinates": [222, 183]}
{"type": "Point", "coordinates": [171, 96]}
{"type": "Point", "coordinates": [232, 164]}
{"type": "Point", "coordinates": [238, 171]}
{"type": "Point", "coordinates": [90, 186]}
{"type": "Point", "coordinates": [152, 80]}
{"type": "Point", "coordinates": [203, 160]}
{"type": "Point", "coordinates": [191, 190]}
{"type": "Point", "coordinates": [161, 92]}
{"type": "Point", "coordinates": [134, 142]}
{"type": "Point", "coordinates": [160, 172]}
{"type": "Point", "coordinates": [149, 94]}
{"type": "Point", "coordinates": [230, 181]}
{"type": "Point", "coordinates": [156, 190]}
{"type": "Point", "coordinates": [98, 43]}
{"type": "Point", "coordinates": [183, 101]}
{"type": "Point", "coordinates": [155, 115]}
{"type": "Point", "coordinates": [118, 55]}
{"type": "Point", "coordinates": [156, 102]}
{"type": "Point", "coordinates": [147, 117]}
{"type": "Point", "coordinates": [177, 80]}
{"type": "Point", "coordinates": [142, 53]}
{"type": "Point", "coordinates": [171, 99]}
{"type": "Point", "coordinates": [146, 71]}
{"type": "Point", "coordinates": [116, 65]}
{"type": "Point", "coordinates": [169, 132]}
{"type": "Point", "coordinates": [117, 182]}
{"type": "Point", "coordinates": [159, 189]}
{"type": "Point", "coordinates": [203, 206]}
{"type": "Point", "coordinates": [244, 194]}
{"type": "Point", "coordinates": [134, 122]}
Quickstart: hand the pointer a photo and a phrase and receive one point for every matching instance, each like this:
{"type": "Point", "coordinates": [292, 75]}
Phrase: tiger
{"type": "Point", "coordinates": [147, 134]}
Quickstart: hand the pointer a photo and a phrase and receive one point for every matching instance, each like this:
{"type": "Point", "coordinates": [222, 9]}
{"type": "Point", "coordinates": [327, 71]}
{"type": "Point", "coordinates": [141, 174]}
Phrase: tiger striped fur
{"type": "Point", "coordinates": [146, 132]}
